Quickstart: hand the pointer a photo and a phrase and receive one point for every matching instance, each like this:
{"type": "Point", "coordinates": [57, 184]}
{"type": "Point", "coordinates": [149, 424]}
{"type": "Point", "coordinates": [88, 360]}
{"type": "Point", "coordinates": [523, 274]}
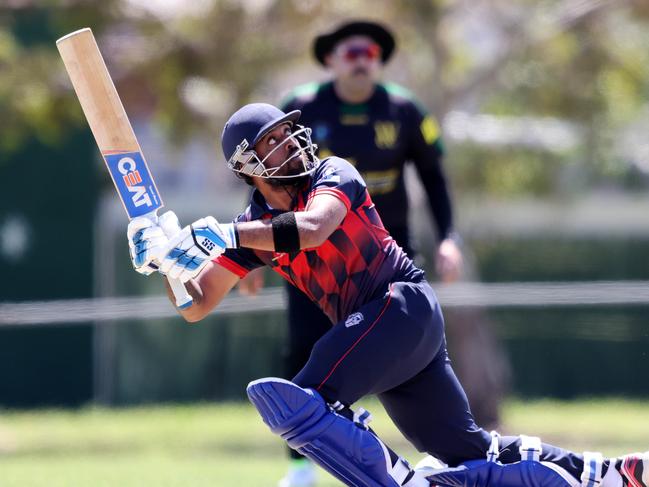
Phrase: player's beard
{"type": "Point", "coordinates": [295, 165]}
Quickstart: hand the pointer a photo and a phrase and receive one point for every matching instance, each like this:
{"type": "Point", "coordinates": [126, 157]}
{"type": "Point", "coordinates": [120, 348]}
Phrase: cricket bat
{"type": "Point", "coordinates": [113, 133]}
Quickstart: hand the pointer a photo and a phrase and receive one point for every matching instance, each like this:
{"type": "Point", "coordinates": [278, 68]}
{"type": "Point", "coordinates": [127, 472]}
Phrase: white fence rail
{"type": "Point", "coordinates": [469, 294]}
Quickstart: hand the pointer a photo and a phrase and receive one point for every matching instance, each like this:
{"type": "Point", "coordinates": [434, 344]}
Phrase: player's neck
{"type": "Point", "coordinates": [278, 197]}
{"type": "Point", "coordinates": [354, 94]}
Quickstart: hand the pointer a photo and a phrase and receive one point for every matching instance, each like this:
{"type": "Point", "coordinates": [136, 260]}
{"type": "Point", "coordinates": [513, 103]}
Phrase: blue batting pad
{"type": "Point", "coordinates": [482, 473]}
{"type": "Point", "coordinates": [352, 454]}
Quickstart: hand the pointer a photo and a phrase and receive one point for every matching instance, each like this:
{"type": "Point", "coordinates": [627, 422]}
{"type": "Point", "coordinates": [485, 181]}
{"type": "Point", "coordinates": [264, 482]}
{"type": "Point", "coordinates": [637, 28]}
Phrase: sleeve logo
{"type": "Point", "coordinates": [429, 129]}
{"type": "Point", "coordinates": [330, 175]}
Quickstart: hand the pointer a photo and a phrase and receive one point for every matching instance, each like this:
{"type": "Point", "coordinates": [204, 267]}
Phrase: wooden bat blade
{"type": "Point", "coordinates": [96, 92]}
{"type": "Point", "coordinates": [113, 132]}
{"type": "Point", "coordinates": [109, 123]}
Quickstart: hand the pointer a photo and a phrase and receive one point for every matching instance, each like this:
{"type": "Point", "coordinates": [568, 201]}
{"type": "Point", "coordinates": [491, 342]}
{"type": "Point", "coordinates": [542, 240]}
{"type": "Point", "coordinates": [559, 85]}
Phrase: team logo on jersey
{"type": "Point", "coordinates": [330, 175]}
{"type": "Point", "coordinates": [354, 319]}
{"type": "Point", "coordinates": [385, 134]}
{"type": "Point", "coordinates": [381, 182]}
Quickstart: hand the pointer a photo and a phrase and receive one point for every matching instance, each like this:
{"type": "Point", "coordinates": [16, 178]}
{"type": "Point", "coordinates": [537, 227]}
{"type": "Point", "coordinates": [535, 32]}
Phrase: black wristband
{"type": "Point", "coordinates": [286, 237]}
{"type": "Point", "coordinates": [235, 230]}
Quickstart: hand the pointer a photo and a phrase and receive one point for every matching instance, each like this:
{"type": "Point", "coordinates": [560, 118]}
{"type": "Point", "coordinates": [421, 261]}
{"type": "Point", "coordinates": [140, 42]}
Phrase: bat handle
{"type": "Point", "coordinates": [183, 298]}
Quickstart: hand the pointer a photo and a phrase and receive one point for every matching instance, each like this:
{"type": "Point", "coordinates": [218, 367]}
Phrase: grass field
{"type": "Point", "coordinates": [228, 445]}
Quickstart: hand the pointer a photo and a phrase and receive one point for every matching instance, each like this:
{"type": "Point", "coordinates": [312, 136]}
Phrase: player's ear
{"type": "Point", "coordinates": [328, 60]}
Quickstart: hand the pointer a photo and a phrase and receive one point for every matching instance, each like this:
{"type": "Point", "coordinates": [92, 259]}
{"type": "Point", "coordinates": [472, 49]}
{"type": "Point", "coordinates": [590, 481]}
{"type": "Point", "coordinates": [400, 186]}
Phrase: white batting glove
{"type": "Point", "coordinates": [168, 221]}
{"type": "Point", "coordinates": [195, 246]}
{"type": "Point", "coordinates": [147, 240]}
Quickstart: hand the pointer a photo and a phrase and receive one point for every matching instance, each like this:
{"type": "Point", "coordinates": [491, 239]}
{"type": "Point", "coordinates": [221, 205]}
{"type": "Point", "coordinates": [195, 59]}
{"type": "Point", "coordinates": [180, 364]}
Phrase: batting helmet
{"type": "Point", "coordinates": [248, 125]}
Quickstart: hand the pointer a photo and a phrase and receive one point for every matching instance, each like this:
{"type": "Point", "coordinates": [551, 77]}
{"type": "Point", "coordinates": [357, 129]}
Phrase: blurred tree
{"type": "Point", "coordinates": [34, 99]}
{"type": "Point", "coordinates": [190, 64]}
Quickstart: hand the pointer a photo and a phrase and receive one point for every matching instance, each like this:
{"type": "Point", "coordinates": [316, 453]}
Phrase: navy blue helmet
{"type": "Point", "coordinates": [248, 125]}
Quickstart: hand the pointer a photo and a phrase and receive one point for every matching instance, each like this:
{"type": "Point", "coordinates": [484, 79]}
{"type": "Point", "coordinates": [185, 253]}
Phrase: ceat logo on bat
{"type": "Point", "coordinates": [134, 182]}
{"type": "Point", "coordinates": [131, 176]}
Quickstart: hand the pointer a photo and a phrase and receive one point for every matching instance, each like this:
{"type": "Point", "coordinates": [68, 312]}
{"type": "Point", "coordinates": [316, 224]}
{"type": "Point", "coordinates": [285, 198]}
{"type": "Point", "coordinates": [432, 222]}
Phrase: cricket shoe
{"type": "Point", "coordinates": [634, 469]}
{"type": "Point", "coordinates": [430, 464]}
{"type": "Point", "coordinates": [301, 473]}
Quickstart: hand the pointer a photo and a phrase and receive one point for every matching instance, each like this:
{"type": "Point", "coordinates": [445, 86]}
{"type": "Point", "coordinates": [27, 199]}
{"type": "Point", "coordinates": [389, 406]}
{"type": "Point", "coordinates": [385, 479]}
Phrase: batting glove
{"type": "Point", "coordinates": [147, 240]}
{"type": "Point", "coordinates": [197, 244]}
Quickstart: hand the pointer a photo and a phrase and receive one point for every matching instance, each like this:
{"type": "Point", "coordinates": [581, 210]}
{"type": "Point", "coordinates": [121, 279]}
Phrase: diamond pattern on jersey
{"type": "Point", "coordinates": [342, 242]}
{"type": "Point", "coordinates": [348, 267]}
{"type": "Point", "coordinates": [356, 262]}
{"type": "Point", "coordinates": [316, 291]}
{"type": "Point", "coordinates": [339, 270]}
{"type": "Point", "coordinates": [358, 278]}
{"type": "Point", "coordinates": [333, 301]}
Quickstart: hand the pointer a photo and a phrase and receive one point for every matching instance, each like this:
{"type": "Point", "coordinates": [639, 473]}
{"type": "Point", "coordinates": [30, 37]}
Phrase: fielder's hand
{"type": "Point", "coordinates": [147, 241]}
{"type": "Point", "coordinates": [252, 283]}
{"type": "Point", "coordinates": [448, 261]}
{"type": "Point", "coordinates": [197, 244]}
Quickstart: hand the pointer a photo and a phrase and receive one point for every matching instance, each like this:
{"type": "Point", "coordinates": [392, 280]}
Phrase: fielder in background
{"type": "Point", "coordinates": [314, 223]}
{"type": "Point", "coordinates": [379, 128]}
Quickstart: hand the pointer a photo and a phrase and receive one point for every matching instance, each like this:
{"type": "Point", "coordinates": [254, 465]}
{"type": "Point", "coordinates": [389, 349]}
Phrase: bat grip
{"type": "Point", "coordinates": [183, 298]}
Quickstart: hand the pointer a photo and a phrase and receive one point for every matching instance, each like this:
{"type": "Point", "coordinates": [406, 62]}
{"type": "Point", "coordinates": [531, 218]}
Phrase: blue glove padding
{"type": "Point", "coordinates": [147, 240]}
{"type": "Point", "coordinates": [195, 246]}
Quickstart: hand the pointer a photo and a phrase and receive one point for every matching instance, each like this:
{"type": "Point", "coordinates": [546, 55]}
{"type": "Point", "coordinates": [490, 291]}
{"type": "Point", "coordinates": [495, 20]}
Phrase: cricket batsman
{"type": "Point", "coordinates": [314, 223]}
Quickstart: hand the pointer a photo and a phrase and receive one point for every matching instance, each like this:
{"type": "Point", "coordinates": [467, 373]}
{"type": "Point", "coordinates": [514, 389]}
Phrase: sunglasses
{"type": "Point", "coordinates": [370, 51]}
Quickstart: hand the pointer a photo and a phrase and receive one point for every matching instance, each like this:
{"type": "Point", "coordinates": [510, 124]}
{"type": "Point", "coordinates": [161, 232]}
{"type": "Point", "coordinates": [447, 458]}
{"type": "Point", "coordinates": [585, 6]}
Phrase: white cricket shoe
{"type": "Point", "coordinates": [429, 464]}
{"type": "Point", "coordinates": [634, 469]}
{"type": "Point", "coordinates": [301, 473]}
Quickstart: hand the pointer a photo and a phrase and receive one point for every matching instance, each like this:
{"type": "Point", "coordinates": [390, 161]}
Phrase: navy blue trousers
{"type": "Point", "coordinates": [396, 349]}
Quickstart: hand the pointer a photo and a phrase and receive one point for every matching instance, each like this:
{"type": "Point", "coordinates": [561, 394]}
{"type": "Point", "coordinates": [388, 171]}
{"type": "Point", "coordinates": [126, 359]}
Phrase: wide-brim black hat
{"type": "Point", "coordinates": [325, 43]}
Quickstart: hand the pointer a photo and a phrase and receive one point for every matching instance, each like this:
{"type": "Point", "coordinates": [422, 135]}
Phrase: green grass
{"type": "Point", "coordinates": [228, 445]}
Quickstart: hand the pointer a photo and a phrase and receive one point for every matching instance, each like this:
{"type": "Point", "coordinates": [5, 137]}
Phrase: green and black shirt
{"type": "Point", "coordinates": [379, 137]}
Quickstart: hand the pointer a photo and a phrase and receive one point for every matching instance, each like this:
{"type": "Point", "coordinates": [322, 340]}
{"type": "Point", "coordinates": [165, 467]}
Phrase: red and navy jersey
{"type": "Point", "coordinates": [379, 137]}
{"type": "Point", "coordinates": [352, 267]}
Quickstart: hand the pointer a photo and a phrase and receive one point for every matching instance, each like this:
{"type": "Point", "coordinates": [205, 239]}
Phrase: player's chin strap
{"type": "Point", "coordinates": [345, 447]}
{"type": "Point", "coordinates": [292, 182]}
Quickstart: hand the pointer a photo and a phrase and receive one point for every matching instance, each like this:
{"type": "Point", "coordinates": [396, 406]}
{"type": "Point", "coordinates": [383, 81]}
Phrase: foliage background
{"type": "Point", "coordinates": [543, 107]}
